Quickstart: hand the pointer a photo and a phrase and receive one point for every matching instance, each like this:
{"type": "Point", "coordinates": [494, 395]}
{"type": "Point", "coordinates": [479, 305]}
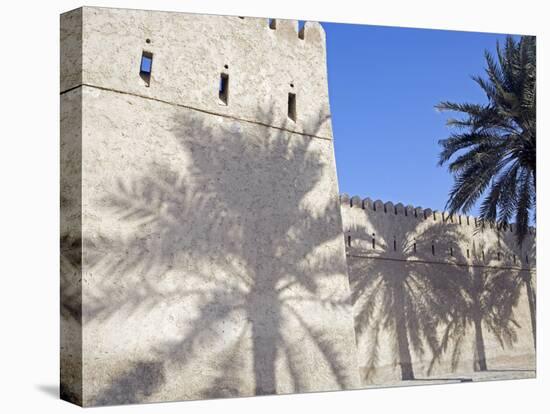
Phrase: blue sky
{"type": "Point", "coordinates": [383, 85]}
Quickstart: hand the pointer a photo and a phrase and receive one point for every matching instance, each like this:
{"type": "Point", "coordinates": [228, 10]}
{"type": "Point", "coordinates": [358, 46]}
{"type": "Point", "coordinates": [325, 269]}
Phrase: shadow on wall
{"type": "Point", "coordinates": [133, 385]}
{"type": "Point", "coordinates": [70, 263]}
{"type": "Point", "coordinates": [244, 238]}
{"type": "Point", "coordinates": [429, 310]}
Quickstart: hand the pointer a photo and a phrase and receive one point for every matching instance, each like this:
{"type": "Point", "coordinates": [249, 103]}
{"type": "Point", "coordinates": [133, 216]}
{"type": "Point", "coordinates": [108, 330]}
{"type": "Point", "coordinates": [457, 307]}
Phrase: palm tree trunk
{"type": "Point", "coordinates": [264, 315]}
{"type": "Point", "coordinates": [480, 360]}
{"type": "Point", "coordinates": [264, 357]}
{"type": "Point", "coordinates": [532, 308]}
{"type": "Point", "coordinates": [405, 360]}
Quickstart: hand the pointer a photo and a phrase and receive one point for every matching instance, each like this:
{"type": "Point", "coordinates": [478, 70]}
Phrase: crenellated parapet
{"type": "Point", "coordinates": [380, 229]}
{"type": "Point", "coordinates": [260, 70]}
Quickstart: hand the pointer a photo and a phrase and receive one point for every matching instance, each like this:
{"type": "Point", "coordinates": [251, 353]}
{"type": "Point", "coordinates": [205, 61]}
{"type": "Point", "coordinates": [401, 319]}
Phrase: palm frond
{"type": "Point", "coordinates": [492, 154]}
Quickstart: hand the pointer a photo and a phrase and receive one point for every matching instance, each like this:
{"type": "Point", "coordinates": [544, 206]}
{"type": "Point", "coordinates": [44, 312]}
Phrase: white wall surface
{"type": "Point", "coordinates": [30, 180]}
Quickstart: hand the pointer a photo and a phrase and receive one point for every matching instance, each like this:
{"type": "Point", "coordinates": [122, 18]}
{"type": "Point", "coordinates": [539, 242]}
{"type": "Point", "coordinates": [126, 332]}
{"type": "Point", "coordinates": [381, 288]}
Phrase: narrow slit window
{"type": "Point", "coordinates": [349, 241]}
{"type": "Point", "coordinates": [224, 88]}
{"type": "Point", "coordinates": [292, 106]}
{"type": "Point", "coordinates": [433, 249]}
{"type": "Point", "coordinates": [145, 67]}
{"type": "Point", "coordinates": [373, 241]}
{"type": "Point", "coordinates": [301, 25]}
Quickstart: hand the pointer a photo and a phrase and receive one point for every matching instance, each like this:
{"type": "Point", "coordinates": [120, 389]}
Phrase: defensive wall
{"type": "Point", "coordinates": [201, 228]}
{"type": "Point", "coordinates": [452, 264]}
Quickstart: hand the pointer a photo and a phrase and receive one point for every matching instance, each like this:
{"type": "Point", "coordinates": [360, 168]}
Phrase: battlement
{"type": "Point", "coordinates": [254, 69]}
{"type": "Point", "coordinates": [420, 213]}
{"type": "Point", "coordinates": [396, 230]}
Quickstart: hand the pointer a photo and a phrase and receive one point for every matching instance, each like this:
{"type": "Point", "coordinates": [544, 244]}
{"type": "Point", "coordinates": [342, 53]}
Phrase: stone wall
{"type": "Point", "coordinates": [204, 239]}
{"type": "Point", "coordinates": [201, 235]}
{"type": "Point", "coordinates": [421, 279]}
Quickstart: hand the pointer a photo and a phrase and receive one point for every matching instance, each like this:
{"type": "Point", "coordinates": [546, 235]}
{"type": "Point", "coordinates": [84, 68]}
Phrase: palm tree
{"type": "Point", "coordinates": [492, 154]}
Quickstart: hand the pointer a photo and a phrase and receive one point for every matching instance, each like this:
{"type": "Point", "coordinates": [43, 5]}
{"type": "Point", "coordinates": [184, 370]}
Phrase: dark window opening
{"type": "Point", "coordinates": [433, 250]}
{"type": "Point", "coordinates": [272, 24]}
{"type": "Point", "coordinates": [373, 242]}
{"type": "Point", "coordinates": [301, 25]}
{"type": "Point", "coordinates": [468, 253]}
{"type": "Point", "coordinates": [349, 241]}
{"type": "Point", "coordinates": [292, 106]}
{"type": "Point", "coordinates": [224, 88]}
{"type": "Point", "coordinates": [145, 67]}
{"type": "Point", "coordinates": [394, 245]}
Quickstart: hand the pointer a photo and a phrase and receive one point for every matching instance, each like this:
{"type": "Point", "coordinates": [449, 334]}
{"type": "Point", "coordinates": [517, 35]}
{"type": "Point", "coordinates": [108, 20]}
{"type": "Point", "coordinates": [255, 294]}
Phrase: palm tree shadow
{"type": "Point", "coordinates": [428, 307]}
{"type": "Point", "coordinates": [133, 385]}
{"type": "Point", "coordinates": [394, 292]}
{"type": "Point", "coordinates": [490, 292]}
{"type": "Point", "coordinates": [524, 276]}
{"type": "Point", "coordinates": [244, 239]}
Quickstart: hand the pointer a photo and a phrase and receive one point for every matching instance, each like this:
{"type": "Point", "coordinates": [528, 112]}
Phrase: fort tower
{"type": "Point", "coordinates": [202, 249]}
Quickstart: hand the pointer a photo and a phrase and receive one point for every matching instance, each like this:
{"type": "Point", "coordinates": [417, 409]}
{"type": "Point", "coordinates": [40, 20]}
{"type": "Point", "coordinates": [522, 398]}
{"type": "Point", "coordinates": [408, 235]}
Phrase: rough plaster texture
{"type": "Point", "coordinates": [212, 258]}
{"type": "Point", "coordinates": [390, 259]}
{"type": "Point", "coordinates": [201, 243]}
{"type": "Point", "coordinates": [71, 240]}
{"type": "Point", "coordinates": [190, 52]}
